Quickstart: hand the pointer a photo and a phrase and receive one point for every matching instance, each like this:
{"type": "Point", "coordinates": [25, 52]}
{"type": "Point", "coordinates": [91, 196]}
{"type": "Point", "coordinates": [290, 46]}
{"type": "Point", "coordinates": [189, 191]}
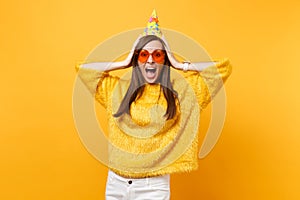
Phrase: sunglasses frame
{"type": "Point", "coordinates": [157, 60]}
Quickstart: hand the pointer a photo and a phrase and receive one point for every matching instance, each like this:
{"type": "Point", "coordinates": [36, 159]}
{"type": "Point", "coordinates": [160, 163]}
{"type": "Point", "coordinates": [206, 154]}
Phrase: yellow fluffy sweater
{"type": "Point", "coordinates": [144, 143]}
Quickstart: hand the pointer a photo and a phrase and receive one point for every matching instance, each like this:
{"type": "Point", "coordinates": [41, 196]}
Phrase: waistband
{"type": "Point", "coordinates": [146, 179]}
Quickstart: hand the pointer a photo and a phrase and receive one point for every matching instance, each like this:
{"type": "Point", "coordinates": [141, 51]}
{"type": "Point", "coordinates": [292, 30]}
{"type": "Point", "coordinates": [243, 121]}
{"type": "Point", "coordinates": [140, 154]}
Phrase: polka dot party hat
{"type": "Point", "coordinates": [152, 26]}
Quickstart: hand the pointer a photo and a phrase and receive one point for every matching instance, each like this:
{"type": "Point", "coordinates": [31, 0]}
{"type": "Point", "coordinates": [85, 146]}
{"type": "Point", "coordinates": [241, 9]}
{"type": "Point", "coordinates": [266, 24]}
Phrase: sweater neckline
{"type": "Point", "coordinates": [152, 88]}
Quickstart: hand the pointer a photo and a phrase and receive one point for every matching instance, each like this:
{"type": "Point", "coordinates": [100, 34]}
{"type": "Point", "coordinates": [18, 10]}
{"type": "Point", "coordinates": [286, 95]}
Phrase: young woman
{"type": "Point", "coordinates": [153, 117]}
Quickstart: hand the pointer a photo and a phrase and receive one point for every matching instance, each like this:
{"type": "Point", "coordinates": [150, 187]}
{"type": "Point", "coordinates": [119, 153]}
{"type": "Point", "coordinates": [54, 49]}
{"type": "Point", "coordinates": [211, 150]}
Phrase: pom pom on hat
{"type": "Point", "coordinates": [152, 26]}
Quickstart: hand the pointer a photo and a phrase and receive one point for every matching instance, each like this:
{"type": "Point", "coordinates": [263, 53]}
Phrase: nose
{"type": "Point", "coordinates": [150, 59]}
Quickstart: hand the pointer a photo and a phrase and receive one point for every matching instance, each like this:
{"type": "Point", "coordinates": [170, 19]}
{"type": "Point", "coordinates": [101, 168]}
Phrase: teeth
{"type": "Point", "coordinates": [153, 70]}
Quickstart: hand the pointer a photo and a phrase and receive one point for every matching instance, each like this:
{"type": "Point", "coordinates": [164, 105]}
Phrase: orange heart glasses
{"type": "Point", "coordinates": [158, 56]}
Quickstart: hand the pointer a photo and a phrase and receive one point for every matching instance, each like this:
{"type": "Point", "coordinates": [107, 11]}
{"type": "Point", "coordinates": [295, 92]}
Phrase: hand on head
{"type": "Point", "coordinates": [127, 61]}
{"type": "Point", "coordinates": [172, 59]}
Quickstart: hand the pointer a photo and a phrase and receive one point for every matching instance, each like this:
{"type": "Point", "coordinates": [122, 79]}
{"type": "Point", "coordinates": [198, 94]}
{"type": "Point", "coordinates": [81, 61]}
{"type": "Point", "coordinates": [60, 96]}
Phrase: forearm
{"type": "Point", "coordinates": [199, 66]}
{"type": "Point", "coordinates": [104, 66]}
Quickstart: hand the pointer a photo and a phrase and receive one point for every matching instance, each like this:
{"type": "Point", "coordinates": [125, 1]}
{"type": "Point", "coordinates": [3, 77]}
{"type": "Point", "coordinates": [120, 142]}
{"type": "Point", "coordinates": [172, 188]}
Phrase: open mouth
{"type": "Point", "coordinates": [150, 73]}
{"type": "Point", "coordinates": [150, 70]}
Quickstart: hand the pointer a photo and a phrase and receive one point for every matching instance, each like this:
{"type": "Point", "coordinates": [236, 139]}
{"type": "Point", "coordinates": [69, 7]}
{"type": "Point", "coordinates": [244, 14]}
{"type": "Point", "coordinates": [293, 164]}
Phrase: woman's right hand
{"type": "Point", "coordinates": [127, 61]}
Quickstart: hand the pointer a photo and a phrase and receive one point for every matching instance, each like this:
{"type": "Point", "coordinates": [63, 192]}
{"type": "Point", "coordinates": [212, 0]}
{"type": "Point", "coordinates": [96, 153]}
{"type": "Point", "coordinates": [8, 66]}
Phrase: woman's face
{"type": "Point", "coordinates": [151, 61]}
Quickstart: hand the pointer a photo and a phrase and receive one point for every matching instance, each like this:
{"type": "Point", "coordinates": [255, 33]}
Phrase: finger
{"type": "Point", "coordinates": [136, 42]}
{"type": "Point", "coordinates": [165, 40]}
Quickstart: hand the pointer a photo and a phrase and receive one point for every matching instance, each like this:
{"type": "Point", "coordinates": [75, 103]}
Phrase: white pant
{"type": "Point", "coordinates": [153, 188]}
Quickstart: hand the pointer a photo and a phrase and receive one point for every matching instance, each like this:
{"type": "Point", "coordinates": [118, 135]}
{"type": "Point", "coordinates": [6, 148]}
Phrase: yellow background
{"type": "Point", "coordinates": [257, 156]}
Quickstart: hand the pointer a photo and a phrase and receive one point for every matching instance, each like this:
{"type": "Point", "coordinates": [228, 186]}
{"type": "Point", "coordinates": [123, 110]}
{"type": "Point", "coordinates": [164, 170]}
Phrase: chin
{"type": "Point", "coordinates": [152, 81]}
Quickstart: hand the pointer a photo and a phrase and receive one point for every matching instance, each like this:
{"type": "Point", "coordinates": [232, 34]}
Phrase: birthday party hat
{"type": "Point", "coordinates": [152, 26]}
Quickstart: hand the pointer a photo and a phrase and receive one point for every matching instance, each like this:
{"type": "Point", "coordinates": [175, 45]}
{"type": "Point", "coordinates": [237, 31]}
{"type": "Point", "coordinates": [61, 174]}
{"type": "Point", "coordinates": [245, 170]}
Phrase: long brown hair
{"type": "Point", "coordinates": [137, 84]}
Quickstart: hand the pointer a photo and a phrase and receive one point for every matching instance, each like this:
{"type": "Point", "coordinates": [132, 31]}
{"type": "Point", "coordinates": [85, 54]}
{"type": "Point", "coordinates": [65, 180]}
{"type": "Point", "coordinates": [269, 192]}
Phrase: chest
{"type": "Point", "coordinates": [148, 108]}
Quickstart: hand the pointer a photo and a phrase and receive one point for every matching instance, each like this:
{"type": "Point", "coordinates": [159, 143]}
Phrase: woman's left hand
{"type": "Point", "coordinates": [174, 62]}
